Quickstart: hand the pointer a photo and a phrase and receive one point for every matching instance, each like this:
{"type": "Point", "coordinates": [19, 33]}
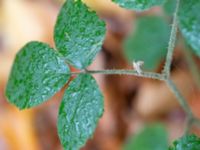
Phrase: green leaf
{"type": "Point", "coordinates": [37, 74]}
{"type": "Point", "coordinates": [148, 42]}
{"type": "Point", "coordinates": [187, 142]}
{"type": "Point", "coordinates": [189, 21]}
{"type": "Point", "coordinates": [80, 110]}
{"type": "Point", "coordinates": [139, 4]}
{"type": "Point", "coordinates": [169, 7]}
{"type": "Point", "coordinates": [153, 137]}
{"type": "Point", "coordinates": [79, 33]}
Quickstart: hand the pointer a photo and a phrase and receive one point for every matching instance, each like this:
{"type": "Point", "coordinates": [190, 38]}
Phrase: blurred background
{"type": "Point", "coordinates": [131, 103]}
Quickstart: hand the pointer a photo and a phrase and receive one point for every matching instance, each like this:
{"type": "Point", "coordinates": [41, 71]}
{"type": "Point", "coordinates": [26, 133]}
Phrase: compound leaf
{"type": "Point", "coordinates": [79, 33]}
{"type": "Point", "coordinates": [187, 142]}
{"type": "Point", "coordinates": [139, 4]}
{"type": "Point", "coordinates": [152, 137]}
{"type": "Point", "coordinates": [80, 110]}
{"type": "Point", "coordinates": [189, 21]}
{"type": "Point", "coordinates": [148, 42]}
{"type": "Point", "coordinates": [37, 74]}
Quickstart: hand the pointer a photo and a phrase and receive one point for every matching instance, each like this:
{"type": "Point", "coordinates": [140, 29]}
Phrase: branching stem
{"type": "Point", "coordinates": [150, 75]}
{"type": "Point", "coordinates": [172, 42]}
{"type": "Point", "coordinates": [182, 101]}
{"type": "Point", "coordinates": [165, 76]}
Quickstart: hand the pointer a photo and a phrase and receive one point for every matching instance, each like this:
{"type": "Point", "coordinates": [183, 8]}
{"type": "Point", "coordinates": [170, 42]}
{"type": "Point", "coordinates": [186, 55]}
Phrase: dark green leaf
{"type": "Point", "coordinates": [139, 4]}
{"type": "Point", "coordinates": [37, 74]}
{"type": "Point", "coordinates": [153, 137]}
{"type": "Point", "coordinates": [149, 41]}
{"type": "Point", "coordinates": [80, 110]}
{"type": "Point", "coordinates": [169, 7]}
{"type": "Point", "coordinates": [189, 20]}
{"type": "Point", "coordinates": [188, 142]}
{"type": "Point", "coordinates": [79, 33]}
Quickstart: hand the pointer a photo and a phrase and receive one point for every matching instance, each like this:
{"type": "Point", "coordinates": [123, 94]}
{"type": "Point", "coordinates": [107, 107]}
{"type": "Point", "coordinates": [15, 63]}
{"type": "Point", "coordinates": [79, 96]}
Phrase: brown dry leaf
{"type": "Point", "coordinates": [24, 21]}
{"type": "Point", "coordinates": [21, 21]}
{"type": "Point", "coordinates": [195, 105]}
{"type": "Point", "coordinates": [5, 66]}
{"type": "Point", "coordinates": [18, 130]}
{"type": "Point", "coordinates": [20, 24]}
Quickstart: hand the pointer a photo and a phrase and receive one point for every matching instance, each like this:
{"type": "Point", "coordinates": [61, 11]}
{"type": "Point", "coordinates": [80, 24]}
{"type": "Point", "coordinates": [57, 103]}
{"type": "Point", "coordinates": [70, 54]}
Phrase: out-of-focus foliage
{"type": "Point", "coordinates": [169, 7]}
{"type": "Point", "coordinates": [152, 137]}
{"type": "Point", "coordinates": [187, 142]}
{"type": "Point", "coordinates": [189, 21]}
{"type": "Point", "coordinates": [148, 42]}
{"type": "Point", "coordinates": [139, 4]}
{"type": "Point", "coordinates": [35, 22]}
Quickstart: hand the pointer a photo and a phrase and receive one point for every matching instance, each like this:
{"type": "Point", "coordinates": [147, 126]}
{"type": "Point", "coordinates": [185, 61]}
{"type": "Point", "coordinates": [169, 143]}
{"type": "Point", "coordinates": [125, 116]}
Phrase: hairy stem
{"type": "Point", "coordinates": [191, 119]}
{"type": "Point", "coordinates": [172, 42]}
{"type": "Point", "coordinates": [150, 75]}
{"type": "Point", "coordinates": [193, 66]}
{"type": "Point", "coordinates": [165, 76]}
{"type": "Point", "coordinates": [182, 101]}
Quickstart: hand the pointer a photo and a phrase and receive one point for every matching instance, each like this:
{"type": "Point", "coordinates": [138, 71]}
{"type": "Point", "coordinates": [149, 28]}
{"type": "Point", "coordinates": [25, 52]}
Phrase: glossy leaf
{"type": "Point", "coordinates": [189, 21]}
{"type": "Point", "coordinates": [148, 42]}
{"type": "Point", "coordinates": [139, 4]}
{"type": "Point", "coordinates": [80, 110]}
{"type": "Point", "coordinates": [37, 74]}
{"type": "Point", "coordinates": [79, 33]}
{"type": "Point", "coordinates": [187, 142]}
{"type": "Point", "coordinates": [153, 137]}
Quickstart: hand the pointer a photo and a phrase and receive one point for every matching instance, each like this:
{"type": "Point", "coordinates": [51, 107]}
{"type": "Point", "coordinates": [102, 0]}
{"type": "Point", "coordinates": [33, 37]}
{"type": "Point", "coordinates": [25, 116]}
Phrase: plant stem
{"type": "Point", "coordinates": [172, 42]}
{"type": "Point", "coordinates": [179, 97]}
{"type": "Point", "coordinates": [191, 119]}
{"type": "Point", "coordinates": [150, 75]}
{"type": "Point", "coordinates": [165, 76]}
{"type": "Point", "coordinates": [192, 66]}
{"type": "Point", "coordinates": [189, 123]}
{"type": "Point", "coordinates": [182, 101]}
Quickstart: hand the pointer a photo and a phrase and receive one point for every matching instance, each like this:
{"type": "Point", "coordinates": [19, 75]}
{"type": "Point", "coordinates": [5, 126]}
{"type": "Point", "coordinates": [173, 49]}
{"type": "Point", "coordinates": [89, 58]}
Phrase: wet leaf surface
{"type": "Point", "coordinates": [189, 21]}
{"type": "Point", "coordinates": [80, 110]}
{"type": "Point", "coordinates": [187, 142]}
{"type": "Point", "coordinates": [79, 33]}
{"type": "Point", "coordinates": [37, 74]}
